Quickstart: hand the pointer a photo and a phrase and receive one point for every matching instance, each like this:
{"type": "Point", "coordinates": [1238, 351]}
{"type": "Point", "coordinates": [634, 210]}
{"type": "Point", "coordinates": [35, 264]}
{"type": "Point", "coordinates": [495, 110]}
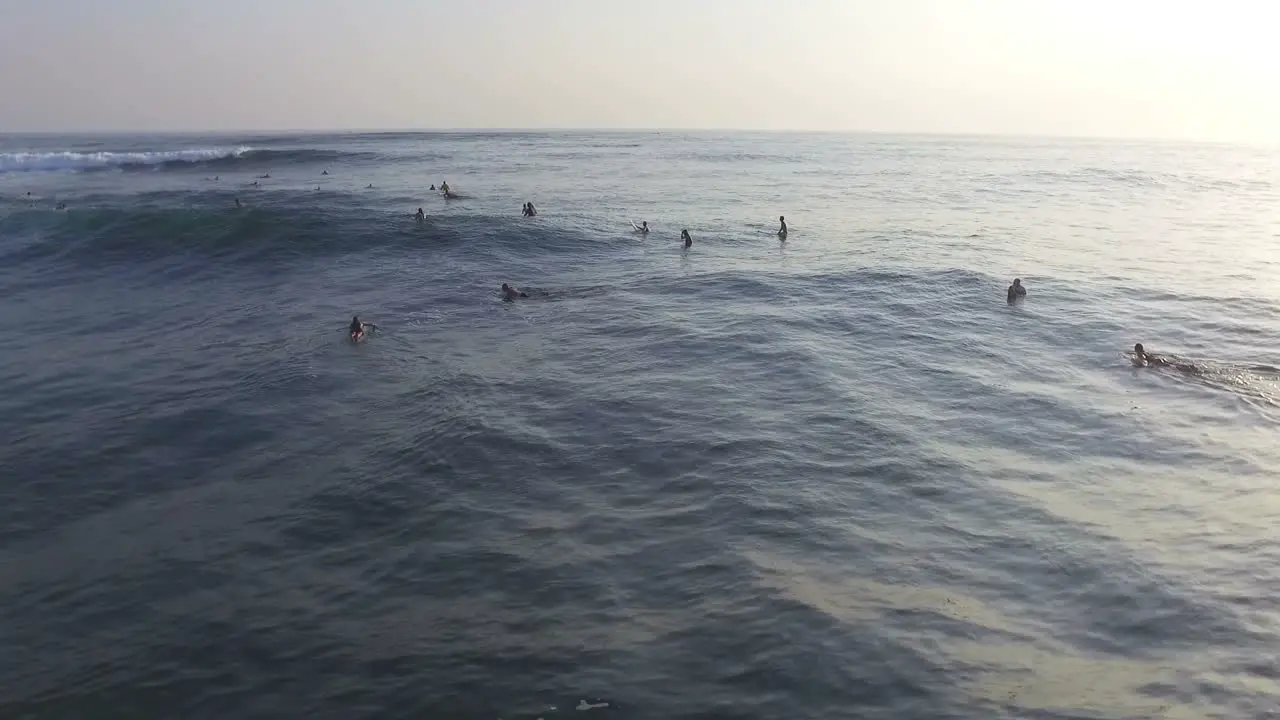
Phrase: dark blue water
{"type": "Point", "coordinates": [834, 477]}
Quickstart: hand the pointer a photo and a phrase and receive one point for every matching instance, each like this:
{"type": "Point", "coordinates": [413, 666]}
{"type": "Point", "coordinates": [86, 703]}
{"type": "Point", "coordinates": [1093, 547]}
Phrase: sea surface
{"type": "Point", "coordinates": [836, 477]}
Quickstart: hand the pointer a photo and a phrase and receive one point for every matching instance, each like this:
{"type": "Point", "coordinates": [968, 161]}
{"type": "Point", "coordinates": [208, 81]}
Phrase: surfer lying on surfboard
{"type": "Point", "coordinates": [511, 293]}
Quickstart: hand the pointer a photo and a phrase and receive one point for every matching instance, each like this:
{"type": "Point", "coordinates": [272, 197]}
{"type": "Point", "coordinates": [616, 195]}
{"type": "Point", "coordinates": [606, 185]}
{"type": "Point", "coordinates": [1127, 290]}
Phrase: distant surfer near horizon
{"type": "Point", "coordinates": [687, 238]}
{"type": "Point", "coordinates": [510, 293]}
{"type": "Point", "coordinates": [1016, 290]}
{"type": "Point", "coordinates": [264, 177]}
{"type": "Point", "coordinates": [326, 172]}
{"type": "Point", "coordinates": [370, 187]}
{"type": "Point", "coordinates": [782, 231]}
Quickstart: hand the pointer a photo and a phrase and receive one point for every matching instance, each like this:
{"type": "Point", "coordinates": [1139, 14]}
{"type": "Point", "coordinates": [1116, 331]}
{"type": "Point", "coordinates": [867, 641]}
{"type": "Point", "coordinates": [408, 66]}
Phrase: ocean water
{"type": "Point", "coordinates": [836, 477]}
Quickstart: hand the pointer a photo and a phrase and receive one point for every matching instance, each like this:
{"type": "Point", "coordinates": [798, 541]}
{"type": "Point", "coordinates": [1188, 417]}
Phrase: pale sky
{"type": "Point", "coordinates": [1201, 69]}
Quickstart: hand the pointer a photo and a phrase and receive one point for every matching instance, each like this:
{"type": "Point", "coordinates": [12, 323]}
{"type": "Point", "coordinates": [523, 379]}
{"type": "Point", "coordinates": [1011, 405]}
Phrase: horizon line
{"type": "Point", "coordinates": [1271, 144]}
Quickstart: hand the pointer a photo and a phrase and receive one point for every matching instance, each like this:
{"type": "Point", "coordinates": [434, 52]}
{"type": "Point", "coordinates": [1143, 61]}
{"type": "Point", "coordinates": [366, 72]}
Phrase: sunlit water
{"type": "Point", "coordinates": [836, 477]}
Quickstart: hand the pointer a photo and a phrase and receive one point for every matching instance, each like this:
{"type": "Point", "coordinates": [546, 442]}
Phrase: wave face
{"type": "Point", "coordinates": [836, 477]}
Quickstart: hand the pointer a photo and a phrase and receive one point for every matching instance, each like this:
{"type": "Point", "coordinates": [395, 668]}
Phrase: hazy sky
{"type": "Point", "coordinates": [1206, 69]}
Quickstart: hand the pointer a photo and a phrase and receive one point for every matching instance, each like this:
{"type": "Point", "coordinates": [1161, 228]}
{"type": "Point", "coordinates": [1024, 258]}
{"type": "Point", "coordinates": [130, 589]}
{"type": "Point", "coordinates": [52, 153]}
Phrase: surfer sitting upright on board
{"type": "Point", "coordinates": [358, 328]}
{"type": "Point", "coordinates": [1016, 291]}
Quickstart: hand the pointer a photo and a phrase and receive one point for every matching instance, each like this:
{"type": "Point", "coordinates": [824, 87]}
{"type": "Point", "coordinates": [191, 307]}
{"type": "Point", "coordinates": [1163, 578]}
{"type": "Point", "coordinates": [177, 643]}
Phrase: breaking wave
{"type": "Point", "coordinates": [71, 160]}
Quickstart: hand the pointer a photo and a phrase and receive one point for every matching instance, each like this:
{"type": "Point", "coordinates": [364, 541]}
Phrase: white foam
{"type": "Point", "coordinates": [68, 160]}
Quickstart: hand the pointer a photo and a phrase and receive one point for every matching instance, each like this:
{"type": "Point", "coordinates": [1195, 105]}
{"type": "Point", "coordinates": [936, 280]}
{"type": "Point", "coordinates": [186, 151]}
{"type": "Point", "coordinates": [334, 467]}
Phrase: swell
{"type": "Point", "coordinates": [279, 229]}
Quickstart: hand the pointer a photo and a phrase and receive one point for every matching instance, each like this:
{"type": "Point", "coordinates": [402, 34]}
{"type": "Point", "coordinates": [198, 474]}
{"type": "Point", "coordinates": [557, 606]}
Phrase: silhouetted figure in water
{"type": "Point", "coordinates": [782, 231]}
{"type": "Point", "coordinates": [688, 239]}
{"type": "Point", "coordinates": [420, 216]}
{"type": "Point", "coordinates": [238, 203]}
{"type": "Point", "coordinates": [511, 293]}
{"type": "Point", "coordinates": [326, 172]}
{"type": "Point", "coordinates": [1016, 291]}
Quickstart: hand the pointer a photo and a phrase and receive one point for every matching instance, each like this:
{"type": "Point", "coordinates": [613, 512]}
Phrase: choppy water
{"type": "Point", "coordinates": [839, 477]}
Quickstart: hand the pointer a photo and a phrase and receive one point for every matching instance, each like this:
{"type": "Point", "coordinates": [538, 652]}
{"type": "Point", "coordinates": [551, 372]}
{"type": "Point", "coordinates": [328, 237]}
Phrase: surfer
{"type": "Point", "coordinates": [326, 172]}
{"type": "Point", "coordinates": [1016, 291]}
{"type": "Point", "coordinates": [687, 238]}
{"type": "Point", "coordinates": [420, 216]}
{"type": "Point", "coordinates": [524, 209]}
{"type": "Point", "coordinates": [782, 231]}
{"type": "Point", "coordinates": [533, 211]}
{"type": "Point", "coordinates": [238, 203]}
{"type": "Point", "coordinates": [643, 228]}
{"type": "Point", "coordinates": [433, 187]}
{"type": "Point", "coordinates": [370, 187]}
{"type": "Point", "coordinates": [511, 293]}
{"type": "Point", "coordinates": [264, 177]}
{"type": "Point", "coordinates": [1142, 358]}
{"type": "Point", "coordinates": [61, 206]}
{"type": "Point", "coordinates": [444, 189]}
{"type": "Point", "coordinates": [357, 328]}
